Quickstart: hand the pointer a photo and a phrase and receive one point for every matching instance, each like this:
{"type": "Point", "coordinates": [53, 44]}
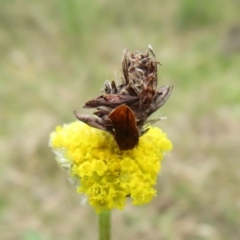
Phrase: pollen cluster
{"type": "Point", "coordinates": [103, 173]}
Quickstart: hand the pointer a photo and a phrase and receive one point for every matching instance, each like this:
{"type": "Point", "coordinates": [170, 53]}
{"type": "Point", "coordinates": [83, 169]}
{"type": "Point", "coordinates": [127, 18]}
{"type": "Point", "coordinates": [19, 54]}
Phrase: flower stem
{"type": "Point", "coordinates": [104, 223]}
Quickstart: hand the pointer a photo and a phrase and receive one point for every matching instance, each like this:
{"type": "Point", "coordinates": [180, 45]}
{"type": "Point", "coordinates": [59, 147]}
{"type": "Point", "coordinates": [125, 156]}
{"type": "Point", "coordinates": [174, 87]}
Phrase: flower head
{"type": "Point", "coordinates": [117, 154]}
{"type": "Point", "coordinates": [105, 174]}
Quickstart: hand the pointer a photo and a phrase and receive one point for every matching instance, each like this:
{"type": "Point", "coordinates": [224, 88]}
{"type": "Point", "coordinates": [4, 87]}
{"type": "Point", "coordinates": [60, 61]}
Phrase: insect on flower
{"type": "Point", "coordinates": [123, 109]}
{"type": "Point", "coordinates": [125, 129]}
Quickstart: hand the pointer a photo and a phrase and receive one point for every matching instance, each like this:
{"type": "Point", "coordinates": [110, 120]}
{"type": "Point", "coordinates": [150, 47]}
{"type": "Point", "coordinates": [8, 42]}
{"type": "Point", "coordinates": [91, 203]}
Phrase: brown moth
{"type": "Point", "coordinates": [126, 132]}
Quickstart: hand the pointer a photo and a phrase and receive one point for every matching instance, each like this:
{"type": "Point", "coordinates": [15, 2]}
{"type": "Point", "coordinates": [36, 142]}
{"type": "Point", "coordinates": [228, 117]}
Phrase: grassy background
{"type": "Point", "coordinates": [55, 55]}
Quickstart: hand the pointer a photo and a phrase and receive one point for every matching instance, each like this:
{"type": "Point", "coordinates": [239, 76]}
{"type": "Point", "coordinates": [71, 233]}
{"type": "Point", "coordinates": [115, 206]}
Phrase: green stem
{"type": "Point", "coordinates": [104, 223]}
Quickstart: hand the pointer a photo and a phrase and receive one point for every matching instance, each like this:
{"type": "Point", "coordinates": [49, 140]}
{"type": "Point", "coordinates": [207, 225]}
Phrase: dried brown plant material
{"type": "Point", "coordinates": [123, 109]}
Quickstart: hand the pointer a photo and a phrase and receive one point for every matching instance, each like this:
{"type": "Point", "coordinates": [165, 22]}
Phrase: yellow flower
{"type": "Point", "coordinates": [106, 175]}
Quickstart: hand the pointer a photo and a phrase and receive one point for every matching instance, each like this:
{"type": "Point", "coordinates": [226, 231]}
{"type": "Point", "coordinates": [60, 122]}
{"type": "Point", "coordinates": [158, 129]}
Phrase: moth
{"type": "Point", "coordinates": [125, 130]}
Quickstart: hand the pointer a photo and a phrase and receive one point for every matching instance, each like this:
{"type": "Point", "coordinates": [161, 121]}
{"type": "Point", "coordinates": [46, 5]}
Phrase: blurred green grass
{"type": "Point", "coordinates": [56, 55]}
